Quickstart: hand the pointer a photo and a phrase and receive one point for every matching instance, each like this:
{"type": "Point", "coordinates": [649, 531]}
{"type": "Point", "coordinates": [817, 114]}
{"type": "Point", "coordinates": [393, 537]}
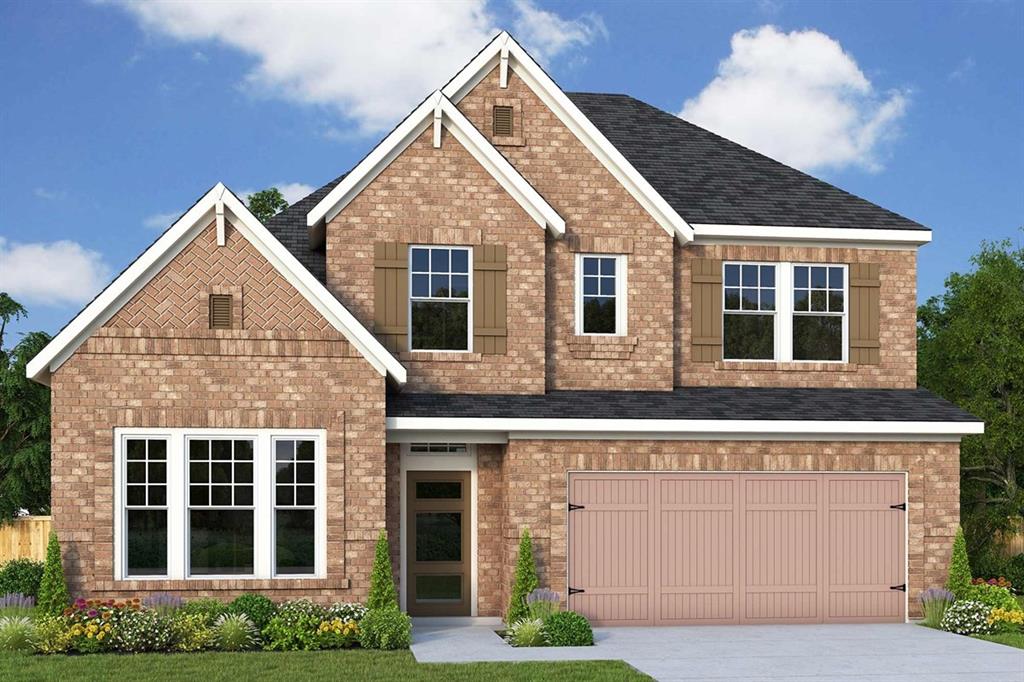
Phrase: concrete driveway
{"type": "Point", "coordinates": [852, 653]}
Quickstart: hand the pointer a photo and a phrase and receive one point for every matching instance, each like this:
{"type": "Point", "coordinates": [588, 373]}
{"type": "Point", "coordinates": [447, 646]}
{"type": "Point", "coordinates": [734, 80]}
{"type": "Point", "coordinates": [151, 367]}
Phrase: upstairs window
{"type": "Point", "coordinates": [748, 327]}
{"type": "Point", "coordinates": [819, 312]}
{"type": "Point", "coordinates": [439, 298]}
{"type": "Point", "coordinates": [600, 295]}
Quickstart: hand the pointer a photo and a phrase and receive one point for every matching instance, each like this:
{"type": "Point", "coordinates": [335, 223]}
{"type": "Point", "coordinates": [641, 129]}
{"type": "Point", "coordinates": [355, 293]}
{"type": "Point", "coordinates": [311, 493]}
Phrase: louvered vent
{"type": "Point", "coordinates": [502, 121]}
{"type": "Point", "coordinates": [220, 311]}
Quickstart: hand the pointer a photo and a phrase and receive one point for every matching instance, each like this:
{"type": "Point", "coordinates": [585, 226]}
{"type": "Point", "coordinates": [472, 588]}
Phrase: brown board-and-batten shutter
{"type": "Point", "coordinates": [391, 295]}
{"type": "Point", "coordinates": [865, 313]}
{"type": "Point", "coordinates": [706, 310]}
{"type": "Point", "coordinates": [490, 329]}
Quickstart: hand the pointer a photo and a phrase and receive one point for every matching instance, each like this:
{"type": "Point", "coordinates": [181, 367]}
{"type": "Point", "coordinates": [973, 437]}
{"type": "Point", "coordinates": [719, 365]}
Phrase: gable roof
{"type": "Point", "coordinates": [439, 111]}
{"type": "Point", "coordinates": [216, 204]}
{"type": "Point", "coordinates": [713, 181]}
{"type": "Point", "coordinates": [289, 226]}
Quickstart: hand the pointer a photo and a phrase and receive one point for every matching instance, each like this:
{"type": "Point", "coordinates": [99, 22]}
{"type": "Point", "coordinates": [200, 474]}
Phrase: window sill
{"type": "Point", "coordinates": [771, 366]}
{"type": "Point", "coordinates": [248, 584]}
{"type": "Point", "coordinates": [602, 347]}
{"type": "Point", "coordinates": [440, 356]}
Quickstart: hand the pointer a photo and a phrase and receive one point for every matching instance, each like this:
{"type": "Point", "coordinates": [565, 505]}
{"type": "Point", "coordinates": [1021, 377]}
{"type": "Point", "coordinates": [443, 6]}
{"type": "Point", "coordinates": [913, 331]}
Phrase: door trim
{"type": "Point", "coordinates": [449, 462]}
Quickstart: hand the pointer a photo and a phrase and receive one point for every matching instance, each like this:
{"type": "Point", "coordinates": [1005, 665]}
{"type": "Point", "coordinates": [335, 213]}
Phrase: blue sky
{"type": "Point", "coordinates": [115, 118]}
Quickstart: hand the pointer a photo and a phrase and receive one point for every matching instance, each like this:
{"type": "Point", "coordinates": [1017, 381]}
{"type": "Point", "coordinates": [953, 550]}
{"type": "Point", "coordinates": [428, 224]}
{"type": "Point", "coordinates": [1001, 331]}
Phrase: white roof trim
{"type": "Point", "coordinates": [438, 108]}
{"type": "Point", "coordinates": [153, 259]}
{"type": "Point", "coordinates": [704, 232]}
{"type": "Point", "coordinates": [574, 119]}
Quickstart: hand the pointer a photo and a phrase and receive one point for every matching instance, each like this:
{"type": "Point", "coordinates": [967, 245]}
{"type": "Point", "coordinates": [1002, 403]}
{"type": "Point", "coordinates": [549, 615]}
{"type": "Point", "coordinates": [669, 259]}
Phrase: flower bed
{"type": "Point", "coordinates": [545, 625]}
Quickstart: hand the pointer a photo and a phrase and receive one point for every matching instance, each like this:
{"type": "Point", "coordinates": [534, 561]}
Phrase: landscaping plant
{"type": "Point", "coordinates": [568, 628]}
{"type": "Point", "coordinates": [526, 632]}
{"type": "Point", "coordinates": [382, 584]}
{"type": "Point", "coordinates": [934, 603]}
{"type": "Point", "coordinates": [1015, 572]}
{"type": "Point", "coordinates": [959, 567]}
{"type": "Point", "coordinates": [258, 608]}
{"type": "Point", "coordinates": [1001, 581]}
{"type": "Point", "coordinates": [385, 629]}
{"type": "Point", "coordinates": [163, 603]}
{"type": "Point", "coordinates": [16, 633]}
{"type": "Point", "coordinates": [525, 580]}
{"type": "Point", "coordinates": [346, 611]}
{"type": "Point", "coordinates": [190, 632]}
{"type": "Point", "coordinates": [542, 602]}
{"type": "Point", "coordinates": [51, 636]}
{"type": "Point", "coordinates": [21, 576]}
{"type": "Point", "coordinates": [339, 633]}
{"type": "Point", "coordinates": [210, 609]}
{"type": "Point", "coordinates": [1006, 620]}
{"type": "Point", "coordinates": [991, 595]}
{"type": "Point", "coordinates": [17, 605]}
{"type": "Point", "coordinates": [135, 631]}
{"type": "Point", "coordinates": [296, 627]}
{"type": "Point", "coordinates": [53, 589]}
{"type": "Point", "coordinates": [967, 617]}
{"type": "Point", "coordinates": [235, 632]}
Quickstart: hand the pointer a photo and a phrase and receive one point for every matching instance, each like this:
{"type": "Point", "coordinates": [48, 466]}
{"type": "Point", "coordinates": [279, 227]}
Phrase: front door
{"type": "Point", "coordinates": [438, 543]}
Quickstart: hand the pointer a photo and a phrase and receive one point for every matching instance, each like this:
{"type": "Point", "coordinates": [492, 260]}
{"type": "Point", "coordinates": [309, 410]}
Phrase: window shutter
{"type": "Point", "coordinates": [220, 311]}
{"type": "Point", "coordinates": [865, 313]}
{"type": "Point", "coordinates": [391, 294]}
{"type": "Point", "coordinates": [706, 310]}
{"type": "Point", "coordinates": [489, 306]}
{"type": "Point", "coordinates": [502, 121]}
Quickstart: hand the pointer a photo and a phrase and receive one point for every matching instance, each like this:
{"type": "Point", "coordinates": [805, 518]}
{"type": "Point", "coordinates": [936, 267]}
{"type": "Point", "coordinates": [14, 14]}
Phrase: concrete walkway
{"type": "Point", "coordinates": [850, 653]}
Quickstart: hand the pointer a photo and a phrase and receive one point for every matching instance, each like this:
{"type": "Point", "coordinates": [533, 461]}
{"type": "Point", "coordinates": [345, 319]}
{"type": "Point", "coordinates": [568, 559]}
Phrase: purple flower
{"type": "Point", "coordinates": [16, 600]}
{"type": "Point", "coordinates": [92, 613]}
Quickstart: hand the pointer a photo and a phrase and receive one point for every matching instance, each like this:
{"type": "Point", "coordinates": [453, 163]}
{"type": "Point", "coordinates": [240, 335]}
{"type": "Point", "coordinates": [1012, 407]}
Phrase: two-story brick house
{"type": "Point", "coordinates": [688, 369]}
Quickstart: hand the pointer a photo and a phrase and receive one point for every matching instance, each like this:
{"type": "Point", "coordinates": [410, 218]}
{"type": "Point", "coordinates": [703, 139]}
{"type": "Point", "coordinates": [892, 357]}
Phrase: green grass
{"type": "Point", "coordinates": [1014, 639]}
{"type": "Point", "coordinates": [296, 666]}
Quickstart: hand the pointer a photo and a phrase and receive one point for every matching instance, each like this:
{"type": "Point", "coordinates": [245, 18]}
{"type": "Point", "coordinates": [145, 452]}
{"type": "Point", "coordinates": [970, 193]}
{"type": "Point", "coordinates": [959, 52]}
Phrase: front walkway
{"type": "Point", "coordinates": [851, 653]}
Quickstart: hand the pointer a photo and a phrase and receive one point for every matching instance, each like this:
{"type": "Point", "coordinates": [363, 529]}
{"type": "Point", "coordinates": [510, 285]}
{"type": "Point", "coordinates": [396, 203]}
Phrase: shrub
{"type": "Point", "coordinates": [991, 564]}
{"type": "Point", "coordinates": [1015, 572]}
{"type": "Point", "coordinates": [568, 628]}
{"type": "Point", "coordinates": [235, 632]}
{"type": "Point", "coordinates": [1004, 620]}
{"type": "Point", "coordinates": [991, 595]}
{"type": "Point", "coordinates": [21, 576]}
{"type": "Point", "coordinates": [16, 633]}
{"type": "Point", "coordinates": [959, 566]}
{"type": "Point", "coordinates": [258, 608]}
{"type": "Point", "coordinates": [525, 580]}
{"type": "Point", "coordinates": [163, 603]}
{"type": "Point", "coordinates": [51, 635]}
{"type": "Point", "coordinates": [53, 589]}
{"type": "Point", "coordinates": [296, 627]}
{"type": "Point", "coordinates": [967, 617]}
{"type": "Point", "coordinates": [542, 602]}
{"type": "Point", "coordinates": [382, 584]}
{"type": "Point", "coordinates": [17, 605]}
{"type": "Point", "coordinates": [136, 632]}
{"type": "Point", "coordinates": [934, 602]}
{"type": "Point", "coordinates": [190, 632]}
{"type": "Point", "coordinates": [526, 632]}
{"type": "Point", "coordinates": [346, 611]}
{"type": "Point", "coordinates": [210, 609]}
{"type": "Point", "coordinates": [385, 629]}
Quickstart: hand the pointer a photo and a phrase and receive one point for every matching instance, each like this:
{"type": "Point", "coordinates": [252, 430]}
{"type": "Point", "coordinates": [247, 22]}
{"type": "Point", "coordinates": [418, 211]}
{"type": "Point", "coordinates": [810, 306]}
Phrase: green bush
{"type": "Point", "coordinates": [16, 634]}
{"type": "Point", "coordinates": [51, 635]}
{"type": "Point", "coordinates": [525, 580]}
{"type": "Point", "coordinates": [53, 589]}
{"type": "Point", "coordinates": [190, 632]}
{"type": "Point", "coordinates": [568, 628]}
{"type": "Point", "coordinates": [526, 632]}
{"type": "Point", "coordinates": [296, 627]}
{"type": "Point", "coordinates": [1014, 572]}
{"type": "Point", "coordinates": [385, 629]}
{"type": "Point", "coordinates": [991, 596]}
{"type": "Point", "coordinates": [988, 565]}
{"type": "Point", "coordinates": [210, 609]}
{"type": "Point", "coordinates": [136, 632]}
{"type": "Point", "coordinates": [21, 576]}
{"type": "Point", "coordinates": [382, 584]}
{"type": "Point", "coordinates": [959, 567]}
{"type": "Point", "coordinates": [235, 632]}
{"type": "Point", "coordinates": [258, 608]}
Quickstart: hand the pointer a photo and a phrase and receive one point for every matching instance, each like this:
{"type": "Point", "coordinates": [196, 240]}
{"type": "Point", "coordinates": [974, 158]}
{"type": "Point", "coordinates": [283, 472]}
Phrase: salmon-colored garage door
{"type": "Point", "coordinates": [678, 548]}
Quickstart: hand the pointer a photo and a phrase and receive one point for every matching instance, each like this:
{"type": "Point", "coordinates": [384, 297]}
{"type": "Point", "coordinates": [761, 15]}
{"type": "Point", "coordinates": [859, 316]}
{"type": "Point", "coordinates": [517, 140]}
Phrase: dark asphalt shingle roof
{"type": "Point", "coordinates": [811, 404]}
{"type": "Point", "coordinates": [289, 226]}
{"type": "Point", "coordinates": [709, 179]}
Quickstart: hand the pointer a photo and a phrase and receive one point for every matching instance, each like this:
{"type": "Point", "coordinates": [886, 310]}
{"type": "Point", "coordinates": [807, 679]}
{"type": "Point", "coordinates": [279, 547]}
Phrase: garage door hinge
{"type": "Point", "coordinates": [574, 507]}
{"type": "Point", "coordinates": [901, 588]}
{"type": "Point", "coordinates": [575, 590]}
{"type": "Point", "coordinates": [902, 506]}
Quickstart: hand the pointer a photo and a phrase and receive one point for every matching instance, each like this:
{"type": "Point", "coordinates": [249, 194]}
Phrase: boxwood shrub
{"type": "Point", "coordinates": [568, 628]}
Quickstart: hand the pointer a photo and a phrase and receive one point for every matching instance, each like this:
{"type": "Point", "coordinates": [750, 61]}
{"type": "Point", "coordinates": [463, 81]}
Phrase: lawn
{"type": "Point", "coordinates": [1008, 638]}
{"type": "Point", "coordinates": [296, 666]}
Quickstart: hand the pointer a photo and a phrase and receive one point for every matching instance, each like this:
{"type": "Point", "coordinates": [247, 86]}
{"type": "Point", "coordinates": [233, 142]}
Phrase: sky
{"type": "Point", "coordinates": [116, 116]}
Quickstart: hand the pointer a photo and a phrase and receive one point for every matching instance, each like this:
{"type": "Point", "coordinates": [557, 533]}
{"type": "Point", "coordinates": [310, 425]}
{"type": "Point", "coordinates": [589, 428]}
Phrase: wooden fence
{"type": "Point", "coordinates": [26, 538]}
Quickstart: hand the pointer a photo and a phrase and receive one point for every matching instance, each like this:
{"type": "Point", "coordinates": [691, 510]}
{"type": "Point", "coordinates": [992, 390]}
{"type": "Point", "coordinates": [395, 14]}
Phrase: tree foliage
{"type": "Point", "coordinates": [971, 352]}
{"type": "Point", "coordinates": [525, 580]}
{"type": "Point", "coordinates": [266, 203]}
{"type": "Point", "coordinates": [24, 423]}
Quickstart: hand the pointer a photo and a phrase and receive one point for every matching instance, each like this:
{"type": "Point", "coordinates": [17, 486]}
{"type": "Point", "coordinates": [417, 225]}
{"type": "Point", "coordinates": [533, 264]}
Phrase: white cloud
{"type": "Point", "coordinates": [293, 191]}
{"type": "Point", "coordinates": [160, 221]}
{"type": "Point", "coordinates": [50, 194]}
{"type": "Point", "coordinates": [963, 69]}
{"type": "Point", "coordinates": [372, 61]}
{"type": "Point", "coordinates": [799, 98]}
{"type": "Point", "coordinates": [51, 273]}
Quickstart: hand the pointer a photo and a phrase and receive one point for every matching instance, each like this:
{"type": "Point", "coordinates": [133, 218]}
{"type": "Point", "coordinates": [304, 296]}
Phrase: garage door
{"type": "Point", "coordinates": [675, 548]}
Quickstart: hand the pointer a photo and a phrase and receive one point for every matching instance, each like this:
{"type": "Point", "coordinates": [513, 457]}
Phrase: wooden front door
{"type": "Point", "coordinates": [438, 542]}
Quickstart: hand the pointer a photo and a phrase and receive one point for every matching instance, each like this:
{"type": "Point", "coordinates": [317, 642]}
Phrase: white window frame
{"type": "Point", "coordinates": [784, 313]}
{"type": "Point", "coordinates": [449, 299]}
{"type": "Point", "coordinates": [319, 501]}
{"type": "Point", "coordinates": [177, 499]}
{"type": "Point", "coordinates": [776, 314]}
{"type": "Point", "coordinates": [121, 489]}
{"type": "Point", "coordinates": [621, 301]}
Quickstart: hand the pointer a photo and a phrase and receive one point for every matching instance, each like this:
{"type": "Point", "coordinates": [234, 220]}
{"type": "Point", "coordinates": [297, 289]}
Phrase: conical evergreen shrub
{"type": "Point", "coordinates": [525, 580]}
{"type": "Point", "coordinates": [53, 589]}
{"type": "Point", "coordinates": [382, 584]}
{"type": "Point", "coordinates": [959, 580]}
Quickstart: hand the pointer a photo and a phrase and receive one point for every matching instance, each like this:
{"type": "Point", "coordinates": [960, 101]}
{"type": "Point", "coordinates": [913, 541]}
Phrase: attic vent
{"type": "Point", "coordinates": [502, 121]}
{"type": "Point", "coordinates": [220, 311]}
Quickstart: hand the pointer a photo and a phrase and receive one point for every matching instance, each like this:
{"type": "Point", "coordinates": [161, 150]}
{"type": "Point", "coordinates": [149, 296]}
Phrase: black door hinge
{"type": "Point", "coordinates": [574, 507]}
{"type": "Point", "coordinates": [575, 590]}
{"type": "Point", "coordinates": [902, 506]}
{"type": "Point", "coordinates": [901, 588]}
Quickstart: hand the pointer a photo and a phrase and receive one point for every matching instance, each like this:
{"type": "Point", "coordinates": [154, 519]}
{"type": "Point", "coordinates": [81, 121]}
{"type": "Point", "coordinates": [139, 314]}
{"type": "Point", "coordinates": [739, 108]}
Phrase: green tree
{"type": "Point", "coordinates": [266, 203]}
{"type": "Point", "coordinates": [971, 352]}
{"type": "Point", "coordinates": [24, 423]}
{"type": "Point", "coordinates": [959, 579]}
{"type": "Point", "coordinates": [382, 583]}
{"type": "Point", "coordinates": [525, 580]}
{"type": "Point", "coordinates": [53, 589]}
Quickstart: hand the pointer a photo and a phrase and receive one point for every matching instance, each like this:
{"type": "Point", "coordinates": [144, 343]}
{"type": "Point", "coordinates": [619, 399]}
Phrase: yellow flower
{"type": "Point", "coordinates": [89, 635]}
{"type": "Point", "coordinates": [99, 636]}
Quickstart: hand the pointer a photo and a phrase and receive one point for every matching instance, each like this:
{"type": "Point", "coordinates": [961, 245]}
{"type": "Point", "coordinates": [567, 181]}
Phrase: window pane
{"type": "Point", "coordinates": [818, 301]}
{"type": "Point", "coordinates": [439, 286]}
{"type": "Point", "coordinates": [818, 277]}
{"type": "Point", "coordinates": [460, 286]}
{"type": "Point", "coordinates": [607, 286]}
{"type": "Point", "coordinates": [817, 337]}
{"type": "Point", "coordinates": [147, 542]}
{"type": "Point", "coordinates": [158, 449]}
{"type": "Point", "coordinates": [431, 587]}
{"type": "Point", "coordinates": [460, 260]}
{"type": "Point", "coordinates": [304, 472]}
{"type": "Point", "coordinates": [590, 286]}
{"type": "Point", "coordinates": [421, 286]}
{"type": "Point", "coordinates": [768, 275]}
{"type": "Point", "coordinates": [243, 449]}
{"type": "Point", "coordinates": [732, 299]}
{"type": "Point", "coordinates": [285, 472]}
{"type": "Point", "coordinates": [157, 495]}
{"type": "Point", "coordinates": [136, 495]}
{"type": "Point", "coordinates": [438, 490]}
{"type": "Point", "coordinates": [199, 495]}
{"type": "Point", "coordinates": [243, 472]}
{"type": "Point", "coordinates": [199, 449]}
{"type": "Point", "coordinates": [220, 449]}
{"type": "Point", "coordinates": [284, 450]}
{"type": "Point", "coordinates": [220, 472]}
{"type": "Point", "coordinates": [439, 260]}
{"type": "Point", "coordinates": [220, 542]}
{"type": "Point", "coordinates": [835, 278]}
{"type": "Point", "coordinates": [243, 495]}
{"type": "Point", "coordinates": [439, 536]}
{"type": "Point", "coordinates": [136, 449]}
{"type": "Point", "coordinates": [750, 275]}
{"type": "Point", "coordinates": [136, 472]}
{"type": "Point", "coordinates": [800, 277]}
{"type": "Point", "coordinates": [607, 266]}
{"type": "Point", "coordinates": [199, 472]}
{"type": "Point", "coordinates": [157, 472]}
{"type": "Point", "coordinates": [295, 550]}
{"type": "Point", "coordinates": [835, 301]}
{"type": "Point", "coordinates": [420, 260]}
{"type": "Point", "coordinates": [749, 337]}
{"type": "Point", "coordinates": [305, 495]}
{"type": "Point", "coordinates": [732, 275]}
{"type": "Point", "coordinates": [220, 496]}
{"type": "Point", "coordinates": [767, 299]}
{"type": "Point", "coordinates": [749, 299]}
{"type": "Point", "coordinates": [306, 450]}
{"type": "Point", "coordinates": [801, 299]}
{"type": "Point", "coordinates": [285, 495]}
{"type": "Point", "coordinates": [590, 266]}
{"type": "Point", "coordinates": [598, 315]}
{"type": "Point", "coordinates": [440, 326]}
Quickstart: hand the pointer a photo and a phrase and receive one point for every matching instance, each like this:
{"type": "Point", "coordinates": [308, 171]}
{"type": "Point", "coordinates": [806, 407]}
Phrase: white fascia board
{"type": "Point", "coordinates": [574, 119]}
{"type": "Point", "coordinates": [156, 257]}
{"type": "Point", "coordinates": [735, 428]}
{"type": "Point", "coordinates": [841, 236]}
{"type": "Point", "coordinates": [468, 136]}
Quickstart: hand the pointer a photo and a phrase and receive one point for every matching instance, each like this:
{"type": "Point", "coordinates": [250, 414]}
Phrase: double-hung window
{"type": "Point", "coordinates": [145, 506]}
{"type": "Point", "coordinates": [294, 506]}
{"type": "Point", "coordinates": [221, 507]}
{"type": "Point", "coordinates": [600, 294]}
{"type": "Point", "coordinates": [819, 312]}
{"type": "Point", "coordinates": [440, 298]}
{"type": "Point", "coordinates": [748, 327]}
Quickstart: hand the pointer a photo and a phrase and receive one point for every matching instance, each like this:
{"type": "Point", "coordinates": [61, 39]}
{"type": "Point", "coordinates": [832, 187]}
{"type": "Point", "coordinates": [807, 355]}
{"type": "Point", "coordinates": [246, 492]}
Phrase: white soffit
{"type": "Point", "coordinates": [841, 236]}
